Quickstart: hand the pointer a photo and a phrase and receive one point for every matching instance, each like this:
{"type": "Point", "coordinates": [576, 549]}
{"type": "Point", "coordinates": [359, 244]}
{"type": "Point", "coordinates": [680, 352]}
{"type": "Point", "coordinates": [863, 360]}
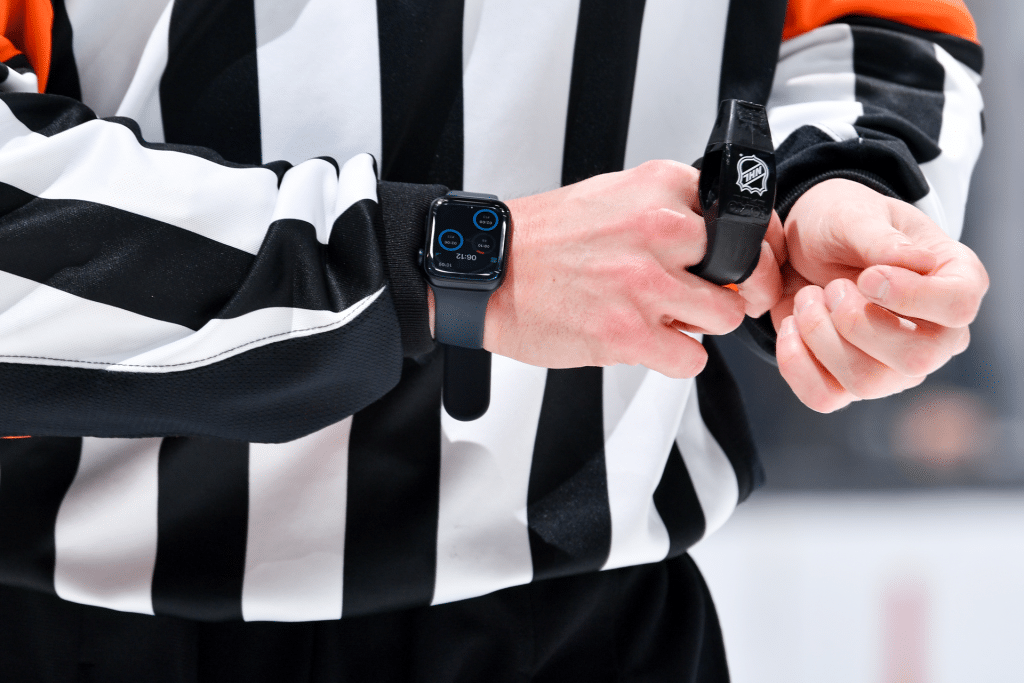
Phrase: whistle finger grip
{"type": "Point", "coordinates": [737, 192]}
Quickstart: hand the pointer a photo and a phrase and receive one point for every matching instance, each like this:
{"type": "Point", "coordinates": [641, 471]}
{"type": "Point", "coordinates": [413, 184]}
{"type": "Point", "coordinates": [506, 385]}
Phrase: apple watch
{"type": "Point", "coordinates": [737, 191]}
{"type": "Point", "coordinates": [464, 262]}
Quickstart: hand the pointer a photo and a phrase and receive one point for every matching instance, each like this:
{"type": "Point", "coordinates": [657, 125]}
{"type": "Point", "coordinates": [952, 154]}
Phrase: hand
{"type": "Point", "coordinates": [597, 276]}
{"type": "Point", "coordinates": [876, 296]}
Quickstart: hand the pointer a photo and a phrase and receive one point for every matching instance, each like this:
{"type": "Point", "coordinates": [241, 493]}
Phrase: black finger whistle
{"type": "Point", "coordinates": [737, 191]}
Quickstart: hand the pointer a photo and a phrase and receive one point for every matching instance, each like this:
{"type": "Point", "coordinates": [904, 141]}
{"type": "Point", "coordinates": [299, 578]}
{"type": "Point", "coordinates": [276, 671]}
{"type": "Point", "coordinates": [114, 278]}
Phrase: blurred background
{"type": "Point", "coordinates": [888, 544]}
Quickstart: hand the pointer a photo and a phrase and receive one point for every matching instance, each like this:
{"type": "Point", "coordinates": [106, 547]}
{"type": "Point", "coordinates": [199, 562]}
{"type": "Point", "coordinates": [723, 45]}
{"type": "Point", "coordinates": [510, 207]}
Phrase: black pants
{"type": "Point", "coordinates": [648, 623]}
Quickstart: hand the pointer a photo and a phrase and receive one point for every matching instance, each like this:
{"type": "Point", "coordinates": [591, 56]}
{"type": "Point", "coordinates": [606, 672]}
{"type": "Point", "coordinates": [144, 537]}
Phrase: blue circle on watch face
{"type": "Point", "coordinates": [487, 221]}
{"type": "Point", "coordinates": [447, 237]}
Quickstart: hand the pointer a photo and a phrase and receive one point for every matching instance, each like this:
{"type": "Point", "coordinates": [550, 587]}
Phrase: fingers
{"type": "Point", "coordinates": [776, 237]}
{"type": "Point", "coordinates": [763, 288]}
{"type": "Point", "coordinates": [878, 242]}
{"type": "Point", "coordinates": [810, 381]}
{"type": "Point", "coordinates": [676, 239]}
{"type": "Point", "coordinates": [675, 182]}
{"type": "Point", "coordinates": [702, 306]}
{"type": "Point", "coordinates": [858, 372]}
{"type": "Point", "coordinates": [912, 348]}
{"type": "Point", "coordinates": [675, 354]}
{"type": "Point", "coordinates": [951, 297]}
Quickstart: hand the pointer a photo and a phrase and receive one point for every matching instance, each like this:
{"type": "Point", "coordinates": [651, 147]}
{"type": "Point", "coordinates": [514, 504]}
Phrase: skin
{"type": "Point", "coordinates": [876, 296]}
{"type": "Point", "coordinates": [868, 295]}
{"type": "Point", "coordinates": [597, 276]}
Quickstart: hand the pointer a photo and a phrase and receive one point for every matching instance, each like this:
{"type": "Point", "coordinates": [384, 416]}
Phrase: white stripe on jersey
{"type": "Point", "coordinates": [41, 325]}
{"type": "Point", "coordinates": [141, 101]}
{"type": "Point", "coordinates": [814, 82]}
{"type": "Point", "coordinates": [47, 326]}
{"type": "Point", "coordinates": [106, 532]}
{"type": "Point", "coordinates": [482, 539]}
{"type": "Point", "coordinates": [635, 456]}
{"type": "Point", "coordinates": [960, 140]}
{"type": "Point", "coordinates": [18, 82]}
{"type": "Point", "coordinates": [336, 44]}
{"type": "Point", "coordinates": [675, 92]}
{"type": "Point", "coordinates": [713, 477]}
{"type": "Point", "coordinates": [296, 538]}
{"type": "Point", "coordinates": [107, 60]}
{"type": "Point", "coordinates": [230, 205]}
{"type": "Point", "coordinates": [312, 192]}
{"type": "Point", "coordinates": [516, 96]}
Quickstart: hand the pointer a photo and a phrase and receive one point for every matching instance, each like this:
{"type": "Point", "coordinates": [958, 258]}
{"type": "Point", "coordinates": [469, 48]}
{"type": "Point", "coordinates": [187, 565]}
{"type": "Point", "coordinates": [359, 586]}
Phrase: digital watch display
{"type": "Point", "coordinates": [464, 261]}
{"type": "Point", "coordinates": [466, 241]}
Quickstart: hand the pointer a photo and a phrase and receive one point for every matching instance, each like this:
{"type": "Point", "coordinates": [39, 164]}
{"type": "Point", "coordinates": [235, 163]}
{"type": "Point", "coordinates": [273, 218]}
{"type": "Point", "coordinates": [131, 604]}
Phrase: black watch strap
{"type": "Point", "coordinates": [459, 325]}
{"type": "Point", "coordinates": [459, 316]}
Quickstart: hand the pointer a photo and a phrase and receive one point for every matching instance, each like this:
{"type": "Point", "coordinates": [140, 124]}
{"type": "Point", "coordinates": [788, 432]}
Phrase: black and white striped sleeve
{"type": "Point", "coordinates": [159, 290]}
{"type": "Point", "coordinates": [895, 108]}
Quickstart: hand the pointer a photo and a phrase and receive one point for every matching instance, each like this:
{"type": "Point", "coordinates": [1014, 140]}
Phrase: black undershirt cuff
{"type": "Point", "coordinates": [403, 215]}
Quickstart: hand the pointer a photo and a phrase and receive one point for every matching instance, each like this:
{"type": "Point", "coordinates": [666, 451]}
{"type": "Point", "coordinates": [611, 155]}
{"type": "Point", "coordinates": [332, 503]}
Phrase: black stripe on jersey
{"type": "Point", "coordinates": [46, 114]}
{"type": "Point", "coordinates": [35, 475]}
{"type": "Point", "coordinates": [721, 408]}
{"type": "Point", "coordinates": [601, 88]}
{"type": "Point", "coordinates": [63, 78]}
{"type": "Point", "coordinates": [202, 523]}
{"type": "Point", "coordinates": [753, 34]}
{"type": "Point", "coordinates": [900, 81]}
{"type": "Point", "coordinates": [969, 53]}
{"type": "Point", "coordinates": [394, 471]}
{"type": "Point", "coordinates": [678, 505]}
{"type": "Point", "coordinates": [20, 64]}
{"type": "Point", "coordinates": [274, 393]}
{"type": "Point", "coordinates": [167, 273]}
{"type": "Point", "coordinates": [209, 92]}
{"type": "Point", "coordinates": [421, 91]}
{"type": "Point", "coordinates": [568, 514]}
{"type": "Point", "coordinates": [292, 269]}
{"type": "Point", "coordinates": [118, 258]}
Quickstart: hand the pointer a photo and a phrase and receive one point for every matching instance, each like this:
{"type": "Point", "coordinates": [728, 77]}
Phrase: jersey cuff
{"type": "Point", "coordinates": [403, 214]}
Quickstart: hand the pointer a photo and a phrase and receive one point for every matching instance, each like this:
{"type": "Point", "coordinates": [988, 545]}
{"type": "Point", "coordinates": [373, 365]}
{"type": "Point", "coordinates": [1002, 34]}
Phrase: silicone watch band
{"type": "Point", "coordinates": [459, 316]}
{"type": "Point", "coordinates": [459, 325]}
{"type": "Point", "coordinates": [459, 313]}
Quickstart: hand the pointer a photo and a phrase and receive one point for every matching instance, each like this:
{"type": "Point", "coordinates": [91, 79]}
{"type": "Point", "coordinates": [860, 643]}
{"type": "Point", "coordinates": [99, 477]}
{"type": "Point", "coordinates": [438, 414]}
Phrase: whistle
{"type": "Point", "coordinates": [737, 192]}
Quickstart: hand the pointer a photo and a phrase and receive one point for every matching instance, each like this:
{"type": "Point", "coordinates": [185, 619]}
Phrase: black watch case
{"type": "Point", "coordinates": [466, 243]}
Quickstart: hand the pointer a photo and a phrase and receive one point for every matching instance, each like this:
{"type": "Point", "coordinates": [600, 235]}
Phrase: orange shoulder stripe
{"type": "Point", "coordinates": [26, 26]}
{"type": "Point", "coordinates": [942, 16]}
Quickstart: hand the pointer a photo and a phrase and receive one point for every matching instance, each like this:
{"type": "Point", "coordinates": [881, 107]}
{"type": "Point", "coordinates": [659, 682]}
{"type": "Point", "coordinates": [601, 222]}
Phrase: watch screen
{"type": "Point", "coordinates": [466, 238]}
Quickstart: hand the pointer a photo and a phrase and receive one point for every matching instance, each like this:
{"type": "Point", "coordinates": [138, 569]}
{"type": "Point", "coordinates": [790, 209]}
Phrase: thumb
{"type": "Point", "coordinates": [877, 242]}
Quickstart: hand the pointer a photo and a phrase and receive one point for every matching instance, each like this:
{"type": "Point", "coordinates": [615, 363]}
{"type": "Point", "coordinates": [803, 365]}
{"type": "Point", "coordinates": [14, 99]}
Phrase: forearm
{"type": "Point", "coordinates": [156, 289]}
{"type": "Point", "coordinates": [883, 104]}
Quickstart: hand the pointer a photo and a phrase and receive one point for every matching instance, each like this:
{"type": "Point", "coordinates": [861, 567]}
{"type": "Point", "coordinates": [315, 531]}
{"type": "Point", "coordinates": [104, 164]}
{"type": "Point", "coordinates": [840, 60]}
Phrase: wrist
{"type": "Point", "coordinates": [430, 311]}
{"type": "Point", "coordinates": [500, 317]}
{"type": "Point", "coordinates": [868, 179]}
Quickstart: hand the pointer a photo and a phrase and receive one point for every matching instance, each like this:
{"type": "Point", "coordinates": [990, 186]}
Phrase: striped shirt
{"type": "Point", "coordinates": [211, 323]}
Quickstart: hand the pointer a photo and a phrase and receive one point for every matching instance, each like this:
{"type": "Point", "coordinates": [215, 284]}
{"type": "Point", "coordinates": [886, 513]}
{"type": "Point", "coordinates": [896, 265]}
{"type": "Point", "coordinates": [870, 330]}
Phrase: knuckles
{"type": "Point", "coordinates": [670, 174]}
{"type": "Point", "coordinates": [873, 382]}
{"type": "Point", "coordinates": [921, 361]}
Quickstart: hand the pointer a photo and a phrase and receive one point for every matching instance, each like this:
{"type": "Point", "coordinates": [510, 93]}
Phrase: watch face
{"type": "Point", "coordinates": [466, 239]}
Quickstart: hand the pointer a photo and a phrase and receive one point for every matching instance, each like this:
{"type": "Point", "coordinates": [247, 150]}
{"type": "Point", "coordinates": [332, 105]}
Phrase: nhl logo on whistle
{"type": "Point", "coordinates": [752, 175]}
